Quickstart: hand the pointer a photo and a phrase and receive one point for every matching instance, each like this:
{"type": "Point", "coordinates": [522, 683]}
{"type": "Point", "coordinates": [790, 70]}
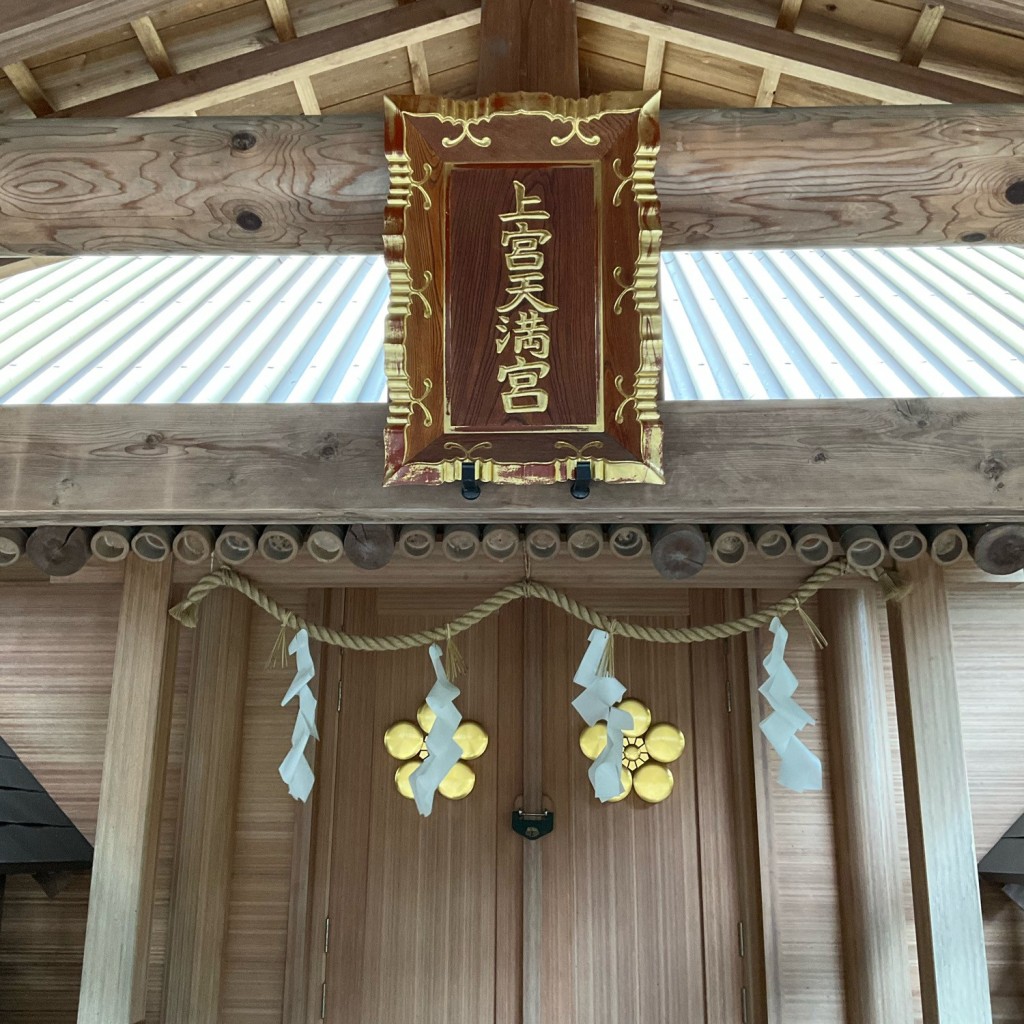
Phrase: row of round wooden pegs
{"type": "Point", "coordinates": [677, 550]}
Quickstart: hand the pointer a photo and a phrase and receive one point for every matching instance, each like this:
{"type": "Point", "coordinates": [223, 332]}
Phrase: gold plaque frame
{"type": "Point", "coordinates": [617, 135]}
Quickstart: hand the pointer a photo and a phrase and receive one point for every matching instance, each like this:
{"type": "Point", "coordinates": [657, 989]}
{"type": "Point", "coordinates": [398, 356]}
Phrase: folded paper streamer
{"type": "Point", "coordinates": [600, 692]}
{"type": "Point", "coordinates": [295, 769]}
{"type": "Point", "coordinates": [800, 769]}
{"type": "Point", "coordinates": [443, 752]}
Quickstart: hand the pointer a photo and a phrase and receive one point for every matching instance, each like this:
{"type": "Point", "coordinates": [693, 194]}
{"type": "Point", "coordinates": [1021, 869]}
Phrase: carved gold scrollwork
{"type": "Point", "coordinates": [627, 399]}
{"type": "Point", "coordinates": [467, 454]}
{"type": "Point", "coordinates": [627, 289]}
{"type": "Point", "coordinates": [576, 132]}
{"type": "Point", "coordinates": [580, 453]}
{"type": "Point", "coordinates": [428, 310]}
{"type": "Point", "coordinates": [414, 402]}
{"type": "Point", "coordinates": [418, 185]}
{"type": "Point", "coordinates": [466, 134]}
{"type": "Point", "coordinates": [624, 180]}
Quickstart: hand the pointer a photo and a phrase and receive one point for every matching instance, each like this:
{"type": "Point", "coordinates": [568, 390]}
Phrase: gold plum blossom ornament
{"type": "Point", "coordinates": [406, 741]}
{"type": "Point", "coordinates": [646, 754]}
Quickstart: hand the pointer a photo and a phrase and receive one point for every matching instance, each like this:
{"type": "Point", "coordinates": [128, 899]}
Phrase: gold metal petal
{"type": "Point", "coordinates": [627, 783]}
{"type": "Point", "coordinates": [458, 783]}
{"type": "Point", "coordinates": [402, 778]}
{"type": "Point", "coordinates": [653, 782]}
{"type": "Point", "coordinates": [665, 742]}
{"type": "Point", "coordinates": [593, 739]}
{"type": "Point", "coordinates": [473, 740]}
{"type": "Point", "coordinates": [426, 717]}
{"type": "Point", "coordinates": [403, 740]}
{"type": "Point", "coordinates": [641, 716]}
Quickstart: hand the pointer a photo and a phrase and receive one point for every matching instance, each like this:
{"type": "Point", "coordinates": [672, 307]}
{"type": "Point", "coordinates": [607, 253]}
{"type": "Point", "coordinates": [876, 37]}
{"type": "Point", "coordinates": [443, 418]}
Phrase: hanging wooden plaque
{"type": "Point", "coordinates": [522, 239]}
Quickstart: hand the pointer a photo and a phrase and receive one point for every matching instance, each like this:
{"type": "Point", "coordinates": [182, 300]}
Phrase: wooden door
{"type": "Point", "coordinates": [638, 904]}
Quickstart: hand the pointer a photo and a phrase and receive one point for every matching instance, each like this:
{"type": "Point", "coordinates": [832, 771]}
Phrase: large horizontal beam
{"type": "Point", "coordinates": [844, 176]}
{"type": "Point", "coordinates": [826, 63]}
{"type": "Point", "coordinates": [939, 460]}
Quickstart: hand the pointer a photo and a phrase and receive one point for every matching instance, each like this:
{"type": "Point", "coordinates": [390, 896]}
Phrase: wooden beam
{"type": "Point", "coordinates": [153, 47]}
{"type": "Point", "coordinates": [528, 45]}
{"type": "Point", "coordinates": [876, 461]}
{"type": "Point", "coordinates": [924, 31]}
{"type": "Point", "coordinates": [654, 64]}
{"type": "Point", "coordinates": [131, 794]}
{"type": "Point", "coordinates": [804, 57]}
{"type": "Point", "coordinates": [307, 97]}
{"type": "Point", "coordinates": [31, 27]}
{"type": "Point", "coordinates": [213, 749]}
{"type": "Point", "coordinates": [789, 12]}
{"type": "Point", "coordinates": [727, 179]}
{"type": "Point", "coordinates": [767, 88]}
{"type": "Point", "coordinates": [16, 265]}
{"type": "Point", "coordinates": [28, 88]}
{"type": "Point", "coordinates": [281, 16]}
{"type": "Point", "coordinates": [944, 872]}
{"type": "Point", "coordinates": [875, 954]}
{"type": "Point", "coordinates": [418, 69]}
{"type": "Point", "coordinates": [228, 80]}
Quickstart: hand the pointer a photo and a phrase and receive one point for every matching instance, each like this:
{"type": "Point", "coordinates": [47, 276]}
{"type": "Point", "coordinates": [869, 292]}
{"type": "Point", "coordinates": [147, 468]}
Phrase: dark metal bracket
{"type": "Point", "coordinates": [533, 826]}
{"type": "Point", "coordinates": [470, 484]}
{"type": "Point", "coordinates": [580, 486]}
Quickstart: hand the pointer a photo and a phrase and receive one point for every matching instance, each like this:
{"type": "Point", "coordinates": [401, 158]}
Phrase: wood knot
{"type": "Point", "coordinates": [819, 456]}
{"type": "Point", "coordinates": [326, 448]}
{"type": "Point", "coordinates": [992, 468]}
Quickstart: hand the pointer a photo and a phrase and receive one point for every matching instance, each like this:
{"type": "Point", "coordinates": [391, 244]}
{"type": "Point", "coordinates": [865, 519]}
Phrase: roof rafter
{"type": "Point", "coordinates": [801, 56]}
{"type": "Point", "coordinates": [227, 80]}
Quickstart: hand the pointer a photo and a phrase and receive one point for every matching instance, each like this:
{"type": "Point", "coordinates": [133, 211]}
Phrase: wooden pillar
{"type": "Point", "coordinates": [875, 956]}
{"type": "Point", "coordinates": [947, 906]}
{"type": "Point", "coordinates": [131, 794]}
{"type": "Point", "coordinates": [202, 875]}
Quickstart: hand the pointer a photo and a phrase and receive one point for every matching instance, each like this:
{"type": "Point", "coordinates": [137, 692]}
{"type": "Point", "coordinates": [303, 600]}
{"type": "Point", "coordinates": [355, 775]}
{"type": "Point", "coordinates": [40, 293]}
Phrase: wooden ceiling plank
{"type": "Point", "coordinates": [307, 97]}
{"type": "Point", "coordinates": [789, 12]}
{"type": "Point", "coordinates": [833, 461]}
{"type": "Point", "coordinates": [924, 31]}
{"type": "Point", "coordinates": [529, 46]}
{"type": "Point", "coordinates": [363, 39]}
{"type": "Point", "coordinates": [281, 16]}
{"type": "Point", "coordinates": [31, 27]}
{"type": "Point", "coordinates": [727, 179]}
{"type": "Point", "coordinates": [418, 69]}
{"type": "Point", "coordinates": [655, 63]}
{"type": "Point", "coordinates": [153, 47]}
{"type": "Point", "coordinates": [28, 88]}
{"type": "Point", "coordinates": [798, 55]}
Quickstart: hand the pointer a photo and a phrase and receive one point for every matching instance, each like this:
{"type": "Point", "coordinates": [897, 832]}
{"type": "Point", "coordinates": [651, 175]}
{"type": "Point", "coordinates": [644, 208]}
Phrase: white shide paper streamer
{"type": "Point", "coordinates": [443, 753]}
{"type": "Point", "coordinates": [800, 769]}
{"type": "Point", "coordinates": [295, 769]}
{"type": "Point", "coordinates": [594, 705]}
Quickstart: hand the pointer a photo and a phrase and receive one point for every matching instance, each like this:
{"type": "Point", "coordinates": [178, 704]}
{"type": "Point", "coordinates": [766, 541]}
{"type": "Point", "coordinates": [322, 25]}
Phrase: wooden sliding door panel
{"type": "Point", "coordinates": [421, 935]}
{"type": "Point", "coordinates": [622, 904]}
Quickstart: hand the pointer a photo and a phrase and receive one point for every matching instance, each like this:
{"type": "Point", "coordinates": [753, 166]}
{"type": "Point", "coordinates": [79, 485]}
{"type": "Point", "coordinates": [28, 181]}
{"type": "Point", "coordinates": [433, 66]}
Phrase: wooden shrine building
{"type": "Point", "coordinates": [640, 800]}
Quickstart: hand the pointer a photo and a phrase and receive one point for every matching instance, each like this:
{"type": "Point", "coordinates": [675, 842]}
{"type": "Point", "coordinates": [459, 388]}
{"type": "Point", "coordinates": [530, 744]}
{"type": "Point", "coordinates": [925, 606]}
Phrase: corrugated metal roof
{"type": "Point", "coordinates": [799, 324]}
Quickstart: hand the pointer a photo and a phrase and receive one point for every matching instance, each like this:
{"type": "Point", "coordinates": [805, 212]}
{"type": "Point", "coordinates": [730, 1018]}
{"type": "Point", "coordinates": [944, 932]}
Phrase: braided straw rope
{"type": "Point", "coordinates": [187, 612]}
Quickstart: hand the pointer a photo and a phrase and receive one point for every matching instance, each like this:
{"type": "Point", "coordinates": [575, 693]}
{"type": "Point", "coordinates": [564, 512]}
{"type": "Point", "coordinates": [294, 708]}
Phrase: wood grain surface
{"type": "Point", "coordinates": [914, 460]}
{"type": "Point", "coordinates": [851, 176]}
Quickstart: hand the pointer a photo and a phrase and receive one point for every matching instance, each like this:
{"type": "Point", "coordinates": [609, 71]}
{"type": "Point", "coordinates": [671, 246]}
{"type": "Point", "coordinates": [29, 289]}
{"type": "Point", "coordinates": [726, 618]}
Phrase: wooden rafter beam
{"type": "Point", "coordinates": [801, 56]}
{"type": "Point", "coordinates": [28, 88]}
{"type": "Point", "coordinates": [30, 27]}
{"type": "Point", "coordinates": [727, 179]}
{"type": "Point", "coordinates": [654, 64]}
{"type": "Point", "coordinates": [870, 461]}
{"type": "Point", "coordinates": [153, 47]}
{"type": "Point", "coordinates": [228, 80]}
{"type": "Point", "coordinates": [924, 31]}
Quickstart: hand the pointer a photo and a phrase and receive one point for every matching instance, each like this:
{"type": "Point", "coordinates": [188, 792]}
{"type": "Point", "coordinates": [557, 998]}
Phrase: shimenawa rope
{"type": "Point", "coordinates": [187, 613]}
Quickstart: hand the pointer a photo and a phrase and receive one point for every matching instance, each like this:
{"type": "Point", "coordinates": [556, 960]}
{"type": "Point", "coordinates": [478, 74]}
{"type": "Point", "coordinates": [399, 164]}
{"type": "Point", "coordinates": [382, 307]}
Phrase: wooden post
{"type": "Point", "coordinates": [131, 794]}
{"type": "Point", "coordinates": [59, 550]}
{"type": "Point", "coordinates": [370, 545]}
{"type": "Point", "coordinates": [947, 906]}
{"type": "Point", "coordinates": [213, 747]}
{"type": "Point", "coordinates": [864, 798]}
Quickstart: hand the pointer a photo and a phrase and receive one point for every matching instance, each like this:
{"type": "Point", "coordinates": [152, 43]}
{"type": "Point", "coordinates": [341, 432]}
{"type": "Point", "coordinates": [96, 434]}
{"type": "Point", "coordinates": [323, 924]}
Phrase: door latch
{"type": "Point", "coordinates": [533, 826]}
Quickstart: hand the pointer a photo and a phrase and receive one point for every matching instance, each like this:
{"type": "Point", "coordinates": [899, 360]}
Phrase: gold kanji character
{"type": "Point", "coordinates": [523, 201]}
{"type": "Point", "coordinates": [523, 379]}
